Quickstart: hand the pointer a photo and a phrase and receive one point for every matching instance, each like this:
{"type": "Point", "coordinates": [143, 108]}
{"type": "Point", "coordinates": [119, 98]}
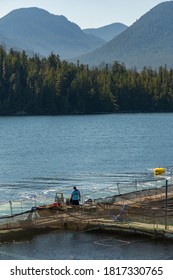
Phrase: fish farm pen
{"type": "Point", "coordinates": [146, 209]}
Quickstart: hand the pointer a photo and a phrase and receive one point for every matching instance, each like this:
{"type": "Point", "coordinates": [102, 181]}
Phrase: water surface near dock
{"type": "Point", "coordinates": [87, 246]}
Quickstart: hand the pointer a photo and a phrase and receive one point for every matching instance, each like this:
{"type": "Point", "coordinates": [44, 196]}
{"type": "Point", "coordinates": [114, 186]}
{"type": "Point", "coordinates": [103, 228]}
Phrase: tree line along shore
{"type": "Point", "coordinates": [51, 86]}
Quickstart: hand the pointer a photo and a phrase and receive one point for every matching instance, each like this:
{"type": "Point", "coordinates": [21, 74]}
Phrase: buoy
{"type": "Point", "coordinates": [159, 171]}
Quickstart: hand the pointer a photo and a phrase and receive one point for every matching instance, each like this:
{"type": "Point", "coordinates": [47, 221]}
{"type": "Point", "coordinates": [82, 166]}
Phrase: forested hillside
{"type": "Point", "coordinates": [33, 85]}
{"type": "Point", "coordinates": [37, 31]}
{"type": "Point", "coordinates": [148, 42]}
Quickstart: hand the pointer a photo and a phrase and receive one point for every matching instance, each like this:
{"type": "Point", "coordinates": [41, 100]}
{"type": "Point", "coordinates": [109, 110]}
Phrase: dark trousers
{"type": "Point", "coordinates": [75, 202]}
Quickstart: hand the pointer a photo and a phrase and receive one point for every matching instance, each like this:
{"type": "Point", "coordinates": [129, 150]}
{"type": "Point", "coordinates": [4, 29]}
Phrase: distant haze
{"type": "Point", "coordinates": [108, 32]}
{"type": "Point", "coordinates": [148, 42]}
{"type": "Point", "coordinates": [37, 31]}
{"type": "Point", "coordinates": [87, 14]}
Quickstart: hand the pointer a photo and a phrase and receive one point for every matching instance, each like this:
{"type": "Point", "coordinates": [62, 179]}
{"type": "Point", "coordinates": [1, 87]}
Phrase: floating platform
{"type": "Point", "coordinates": [137, 213]}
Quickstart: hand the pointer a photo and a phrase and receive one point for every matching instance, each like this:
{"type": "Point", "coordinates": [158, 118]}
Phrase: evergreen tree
{"type": "Point", "coordinates": [34, 85]}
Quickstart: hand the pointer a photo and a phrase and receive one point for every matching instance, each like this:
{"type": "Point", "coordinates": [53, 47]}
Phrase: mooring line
{"type": "Point", "coordinates": [108, 239]}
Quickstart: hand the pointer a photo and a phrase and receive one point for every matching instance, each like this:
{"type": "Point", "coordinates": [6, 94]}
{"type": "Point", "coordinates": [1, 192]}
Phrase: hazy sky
{"type": "Point", "coordinates": [87, 13]}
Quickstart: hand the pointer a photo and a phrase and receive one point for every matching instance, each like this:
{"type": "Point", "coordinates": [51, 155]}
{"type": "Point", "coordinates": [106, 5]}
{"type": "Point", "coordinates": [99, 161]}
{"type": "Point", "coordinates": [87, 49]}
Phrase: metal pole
{"type": "Point", "coordinates": [166, 202]}
{"type": "Point", "coordinates": [118, 188]}
{"type": "Point", "coordinates": [136, 183]}
{"type": "Point", "coordinates": [11, 209]}
{"type": "Point", "coordinates": [166, 195]}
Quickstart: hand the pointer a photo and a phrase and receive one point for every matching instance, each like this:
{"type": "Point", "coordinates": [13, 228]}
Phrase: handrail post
{"type": "Point", "coordinates": [11, 208]}
{"type": "Point", "coordinates": [166, 203]}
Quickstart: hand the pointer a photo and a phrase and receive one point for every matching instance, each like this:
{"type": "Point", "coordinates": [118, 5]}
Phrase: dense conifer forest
{"type": "Point", "coordinates": [34, 85]}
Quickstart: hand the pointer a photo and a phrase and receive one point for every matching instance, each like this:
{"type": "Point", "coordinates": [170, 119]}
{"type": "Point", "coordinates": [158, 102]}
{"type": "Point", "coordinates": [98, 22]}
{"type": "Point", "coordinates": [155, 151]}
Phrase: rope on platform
{"type": "Point", "coordinates": [33, 209]}
{"type": "Point", "coordinates": [15, 215]}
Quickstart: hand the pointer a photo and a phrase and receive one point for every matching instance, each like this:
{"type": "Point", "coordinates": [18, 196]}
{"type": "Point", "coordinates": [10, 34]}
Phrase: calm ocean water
{"type": "Point", "coordinates": [42, 154]}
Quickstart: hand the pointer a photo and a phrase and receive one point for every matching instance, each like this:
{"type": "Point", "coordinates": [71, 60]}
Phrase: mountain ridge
{"type": "Point", "coordinates": [107, 32]}
{"type": "Point", "coordinates": [148, 42]}
{"type": "Point", "coordinates": [36, 29]}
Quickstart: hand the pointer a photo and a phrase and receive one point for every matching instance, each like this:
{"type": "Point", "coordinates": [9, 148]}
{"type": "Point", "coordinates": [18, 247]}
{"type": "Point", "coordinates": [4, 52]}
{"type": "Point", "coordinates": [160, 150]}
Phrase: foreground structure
{"type": "Point", "coordinates": [146, 212]}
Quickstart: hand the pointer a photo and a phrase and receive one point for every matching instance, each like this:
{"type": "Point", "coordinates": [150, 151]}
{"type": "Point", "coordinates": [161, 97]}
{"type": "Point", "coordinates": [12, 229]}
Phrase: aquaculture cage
{"type": "Point", "coordinates": [145, 205]}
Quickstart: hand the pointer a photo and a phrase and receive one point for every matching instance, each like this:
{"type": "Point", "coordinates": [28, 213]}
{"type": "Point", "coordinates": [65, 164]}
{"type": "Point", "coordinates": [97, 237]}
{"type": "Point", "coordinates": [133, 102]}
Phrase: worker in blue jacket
{"type": "Point", "coordinates": [75, 196]}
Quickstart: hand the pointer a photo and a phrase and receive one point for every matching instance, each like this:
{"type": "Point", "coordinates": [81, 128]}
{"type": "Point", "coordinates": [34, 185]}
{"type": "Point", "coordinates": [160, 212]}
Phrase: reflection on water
{"type": "Point", "coordinates": [89, 246]}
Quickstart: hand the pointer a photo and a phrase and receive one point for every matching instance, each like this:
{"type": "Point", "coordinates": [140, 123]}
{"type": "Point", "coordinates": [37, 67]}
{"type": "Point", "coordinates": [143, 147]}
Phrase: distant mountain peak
{"type": "Point", "coordinates": [33, 13]}
{"type": "Point", "coordinates": [42, 32]}
{"type": "Point", "coordinates": [148, 42]}
{"type": "Point", "coordinates": [107, 32]}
